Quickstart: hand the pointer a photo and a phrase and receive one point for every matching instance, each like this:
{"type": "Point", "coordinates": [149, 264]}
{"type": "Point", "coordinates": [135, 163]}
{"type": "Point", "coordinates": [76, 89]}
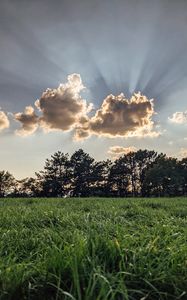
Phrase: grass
{"type": "Point", "coordinates": [93, 249]}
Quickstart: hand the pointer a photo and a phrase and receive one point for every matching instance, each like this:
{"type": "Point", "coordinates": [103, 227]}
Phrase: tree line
{"type": "Point", "coordinates": [143, 173]}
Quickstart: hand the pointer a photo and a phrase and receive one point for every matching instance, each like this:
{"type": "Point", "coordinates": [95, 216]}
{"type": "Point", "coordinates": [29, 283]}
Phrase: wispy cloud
{"type": "Point", "coordinates": [117, 151]}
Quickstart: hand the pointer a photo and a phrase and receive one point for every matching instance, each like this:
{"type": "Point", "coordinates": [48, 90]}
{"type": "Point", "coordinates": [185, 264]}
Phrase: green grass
{"type": "Point", "coordinates": [93, 249]}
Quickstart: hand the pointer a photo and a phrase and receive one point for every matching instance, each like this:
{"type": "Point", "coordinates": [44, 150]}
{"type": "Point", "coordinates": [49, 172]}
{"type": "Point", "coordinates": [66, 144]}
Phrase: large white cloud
{"type": "Point", "coordinates": [63, 107]}
{"type": "Point", "coordinates": [4, 122]}
{"type": "Point", "coordinates": [120, 117]}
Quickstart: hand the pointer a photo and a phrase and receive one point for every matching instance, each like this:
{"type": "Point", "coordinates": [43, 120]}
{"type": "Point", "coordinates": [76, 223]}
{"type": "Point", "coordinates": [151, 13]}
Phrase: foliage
{"type": "Point", "coordinates": [143, 173]}
{"type": "Point", "coordinates": [7, 184]}
{"type": "Point", "coordinates": [55, 178]}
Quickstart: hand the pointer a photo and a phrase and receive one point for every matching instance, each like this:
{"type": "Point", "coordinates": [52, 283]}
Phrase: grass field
{"type": "Point", "coordinates": [93, 249]}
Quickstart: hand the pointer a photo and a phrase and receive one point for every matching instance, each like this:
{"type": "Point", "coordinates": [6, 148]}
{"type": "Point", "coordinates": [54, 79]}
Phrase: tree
{"type": "Point", "coordinates": [141, 173]}
{"type": "Point", "coordinates": [28, 187]}
{"type": "Point", "coordinates": [128, 172]}
{"type": "Point", "coordinates": [7, 183]}
{"type": "Point", "coordinates": [144, 160]}
{"type": "Point", "coordinates": [55, 179]}
{"type": "Point", "coordinates": [119, 177]}
{"type": "Point", "coordinates": [165, 178]}
{"type": "Point", "coordinates": [82, 170]}
{"type": "Point", "coordinates": [99, 178]}
{"type": "Point", "coordinates": [183, 168]}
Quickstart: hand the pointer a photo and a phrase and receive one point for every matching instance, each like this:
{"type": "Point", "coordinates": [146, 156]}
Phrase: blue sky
{"type": "Point", "coordinates": [116, 47]}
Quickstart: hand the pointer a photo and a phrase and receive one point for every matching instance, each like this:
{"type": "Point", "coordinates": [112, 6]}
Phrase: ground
{"type": "Point", "coordinates": [93, 248]}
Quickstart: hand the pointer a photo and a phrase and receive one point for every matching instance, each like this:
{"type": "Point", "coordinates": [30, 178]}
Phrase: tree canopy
{"type": "Point", "coordinates": [143, 173]}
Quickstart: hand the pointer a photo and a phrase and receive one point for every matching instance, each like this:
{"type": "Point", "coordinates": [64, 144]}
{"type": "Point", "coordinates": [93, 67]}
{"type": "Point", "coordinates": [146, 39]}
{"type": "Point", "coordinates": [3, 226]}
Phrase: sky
{"type": "Point", "coordinates": [105, 76]}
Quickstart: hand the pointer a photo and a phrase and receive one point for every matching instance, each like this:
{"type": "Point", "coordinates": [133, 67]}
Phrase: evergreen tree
{"type": "Point", "coordinates": [82, 171]}
{"type": "Point", "coordinates": [7, 183]}
{"type": "Point", "coordinates": [55, 179]}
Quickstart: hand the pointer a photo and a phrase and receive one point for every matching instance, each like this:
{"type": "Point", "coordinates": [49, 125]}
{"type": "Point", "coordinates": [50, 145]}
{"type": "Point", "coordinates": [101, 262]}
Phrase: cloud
{"type": "Point", "coordinates": [63, 107]}
{"type": "Point", "coordinates": [29, 121]}
{"type": "Point", "coordinates": [4, 122]}
{"type": "Point", "coordinates": [120, 117]}
{"type": "Point", "coordinates": [179, 118]}
{"type": "Point", "coordinates": [117, 151]}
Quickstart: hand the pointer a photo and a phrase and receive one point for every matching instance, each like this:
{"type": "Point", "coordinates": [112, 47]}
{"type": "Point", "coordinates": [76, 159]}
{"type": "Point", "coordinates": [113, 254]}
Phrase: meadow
{"type": "Point", "coordinates": [93, 248]}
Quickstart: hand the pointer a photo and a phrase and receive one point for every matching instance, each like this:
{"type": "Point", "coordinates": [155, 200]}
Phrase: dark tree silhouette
{"type": "Point", "coordinates": [7, 183]}
{"type": "Point", "coordinates": [82, 171]}
{"type": "Point", "coordinates": [55, 179]}
{"type": "Point", "coordinates": [144, 160]}
{"type": "Point", "coordinates": [165, 178]}
{"type": "Point", "coordinates": [119, 177]}
{"type": "Point", "coordinates": [183, 168]}
{"type": "Point", "coordinates": [28, 187]}
{"type": "Point", "coordinates": [142, 173]}
{"type": "Point", "coordinates": [99, 178]}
